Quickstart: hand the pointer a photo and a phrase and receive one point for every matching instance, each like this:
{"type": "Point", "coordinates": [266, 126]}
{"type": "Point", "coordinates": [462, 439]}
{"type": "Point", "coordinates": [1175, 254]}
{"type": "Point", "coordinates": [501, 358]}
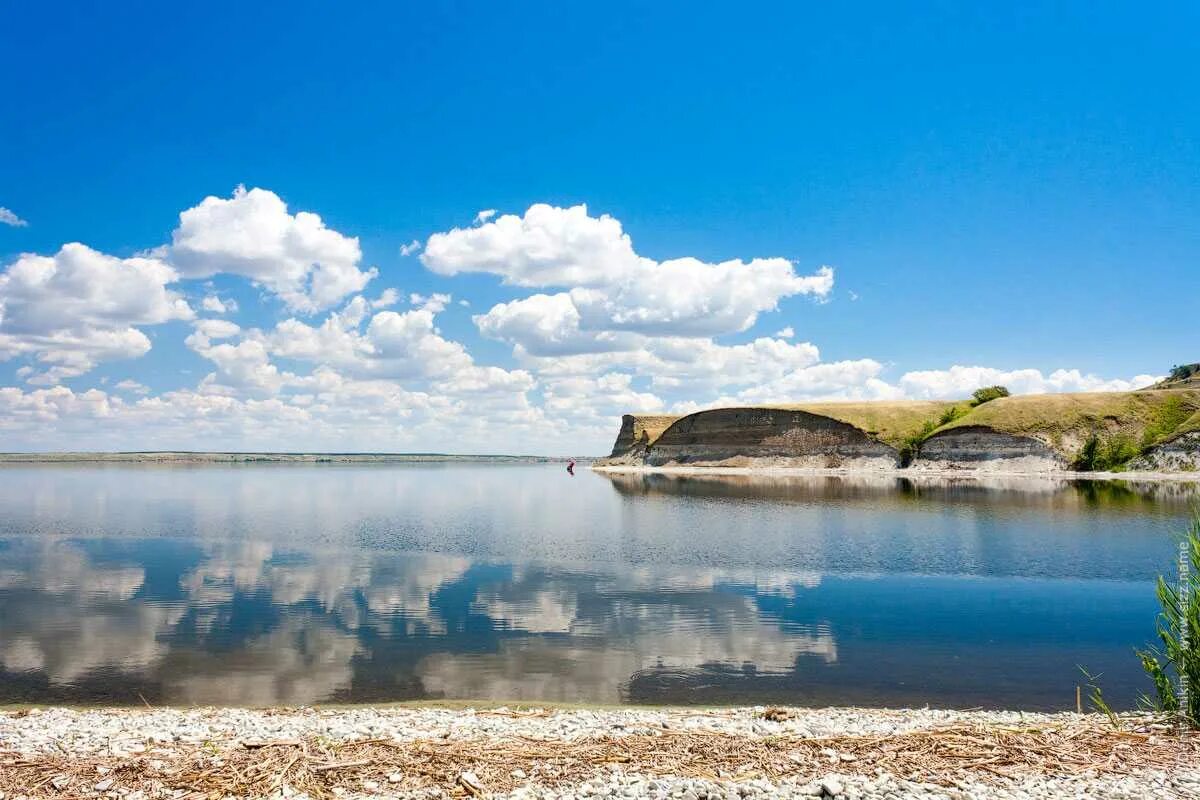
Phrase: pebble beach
{"type": "Point", "coordinates": [410, 752]}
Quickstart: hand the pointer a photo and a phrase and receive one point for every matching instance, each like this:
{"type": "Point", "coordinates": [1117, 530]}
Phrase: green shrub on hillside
{"type": "Point", "coordinates": [987, 393]}
{"type": "Point", "coordinates": [1118, 451]}
{"type": "Point", "coordinates": [910, 448]}
{"type": "Point", "coordinates": [1106, 453]}
{"type": "Point", "coordinates": [950, 414]}
{"type": "Point", "coordinates": [910, 445]}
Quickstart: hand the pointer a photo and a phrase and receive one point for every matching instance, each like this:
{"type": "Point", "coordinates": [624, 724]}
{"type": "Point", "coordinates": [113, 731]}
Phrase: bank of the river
{"type": "Point", "coordinates": [912, 474]}
{"type": "Point", "coordinates": [355, 752]}
{"type": "Point", "coordinates": [1156, 430]}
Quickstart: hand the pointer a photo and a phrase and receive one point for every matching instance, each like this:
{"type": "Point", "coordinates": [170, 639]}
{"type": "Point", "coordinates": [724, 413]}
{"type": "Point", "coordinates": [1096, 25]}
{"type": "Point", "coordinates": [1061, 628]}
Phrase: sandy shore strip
{"type": "Point", "coordinates": [411, 752]}
{"type": "Point", "coordinates": [899, 472]}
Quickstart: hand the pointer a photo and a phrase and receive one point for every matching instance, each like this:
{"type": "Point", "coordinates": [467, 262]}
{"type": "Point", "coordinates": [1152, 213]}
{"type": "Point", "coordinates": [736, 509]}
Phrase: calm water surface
{"type": "Point", "coordinates": [285, 584]}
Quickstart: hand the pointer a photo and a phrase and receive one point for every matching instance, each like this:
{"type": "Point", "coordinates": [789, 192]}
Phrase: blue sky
{"type": "Point", "coordinates": [1011, 192]}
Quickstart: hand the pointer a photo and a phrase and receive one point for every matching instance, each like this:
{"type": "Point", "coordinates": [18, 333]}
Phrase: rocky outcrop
{"type": "Point", "coordinates": [633, 440]}
{"type": "Point", "coordinates": [1181, 454]}
{"type": "Point", "coordinates": [986, 450]}
{"type": "Point", "coordinates": [732, 437]}
{"type": "Point", "coordinates": [1146, 430]}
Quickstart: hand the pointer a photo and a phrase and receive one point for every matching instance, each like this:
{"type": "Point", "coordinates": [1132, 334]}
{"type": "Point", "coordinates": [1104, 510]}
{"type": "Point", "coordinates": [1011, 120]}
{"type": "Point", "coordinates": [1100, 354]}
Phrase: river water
{"type": "Point", "coordinates": [298, 584]}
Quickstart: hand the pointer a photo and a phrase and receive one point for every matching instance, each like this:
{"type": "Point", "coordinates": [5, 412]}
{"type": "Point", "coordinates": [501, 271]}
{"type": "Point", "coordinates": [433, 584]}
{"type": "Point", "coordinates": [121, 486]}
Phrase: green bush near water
{"type": "Point", "coordinates": [1111, 451]}
{"type": "Point", "coordinates": [910, 446]}
{"type": "Point", "coordinates": [1108, 453]}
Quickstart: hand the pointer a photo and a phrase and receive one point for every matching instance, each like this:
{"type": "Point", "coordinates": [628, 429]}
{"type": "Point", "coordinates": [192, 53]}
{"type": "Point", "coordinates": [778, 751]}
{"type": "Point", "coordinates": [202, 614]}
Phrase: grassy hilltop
{"type": "Point", "coordinates": [1148, 416]}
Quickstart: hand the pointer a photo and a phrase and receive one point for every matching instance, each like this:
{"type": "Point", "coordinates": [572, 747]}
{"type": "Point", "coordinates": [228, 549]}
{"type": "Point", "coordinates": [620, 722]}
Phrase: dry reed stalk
{"type": "Point", "coordinates": [941, 756]}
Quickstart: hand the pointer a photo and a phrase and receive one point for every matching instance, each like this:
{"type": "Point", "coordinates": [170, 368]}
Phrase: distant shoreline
{"type": "Point", "coordinates": [200, 457]}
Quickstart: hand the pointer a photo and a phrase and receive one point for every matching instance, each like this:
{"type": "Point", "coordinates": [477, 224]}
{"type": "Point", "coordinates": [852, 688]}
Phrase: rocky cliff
{"type": "Point", "coordinates": [984, 449]}
{"type": "Point", "coordinates": [819, 435]}
{"type": "Point", "coordinates": [637, 431]}
{"type": "Point", "coordinates": [1180, 454]}
{"type": "Point", "coordinates": [760, 436]}
{"type": "Point", "coordinates": [1151, 429]}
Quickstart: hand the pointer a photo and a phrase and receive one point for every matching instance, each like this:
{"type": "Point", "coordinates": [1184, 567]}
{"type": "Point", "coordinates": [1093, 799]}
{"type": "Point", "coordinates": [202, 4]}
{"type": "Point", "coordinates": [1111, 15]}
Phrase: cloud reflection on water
{"type": "Point", "coordinates": [304, 585]}
{"type": "Point", "coordinates": [254, 624]}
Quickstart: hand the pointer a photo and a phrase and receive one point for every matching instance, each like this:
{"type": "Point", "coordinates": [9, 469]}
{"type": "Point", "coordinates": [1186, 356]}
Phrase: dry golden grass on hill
{"type": "Point", "coordinates": [1147, 417]}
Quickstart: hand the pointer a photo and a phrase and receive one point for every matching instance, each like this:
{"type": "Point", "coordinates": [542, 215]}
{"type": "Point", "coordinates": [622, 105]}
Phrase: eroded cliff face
{"type": "Point", "coordinates": [637, 431]}
{"type": "Point", "coordinates": [1011, 435]}
{"type": "Point", "coordinates": [1181, 454]}
{"type": "Point", "coordinates": [985, 450]}
{"type": "Point", "coordinates": [735, 437]}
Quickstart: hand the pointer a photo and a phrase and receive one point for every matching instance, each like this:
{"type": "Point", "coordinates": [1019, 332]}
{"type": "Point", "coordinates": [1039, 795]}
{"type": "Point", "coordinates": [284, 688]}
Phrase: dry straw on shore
{"type": "Point", "coordinates": [944, 756]}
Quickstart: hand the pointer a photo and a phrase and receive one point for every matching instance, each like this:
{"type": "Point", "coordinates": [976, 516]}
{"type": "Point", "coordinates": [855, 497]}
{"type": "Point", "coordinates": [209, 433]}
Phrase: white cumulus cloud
{"type": "Point", "coordinates": [252, 234]}
{"type": "Point", "coordinates": [79, 307]}
{"type": "Point", "coordinates": [392, 345]}
{"type": "Point", "coordinates": [216, 305]}
{"type": "Point", "coordinates": [548, 325]}
{"type": "Point", "coordinates": [129, 385]}
{"type": "Point", "coordinates": [960, 381]}
{"type": "Point", "coordinates": [216, 328]}
{"type": "Point", "coordinates": [598, 330]}
{"type": "Point", "coordinates": [612, 289]}
{"type": "Point", "coordinates": [547, 246]}
{"type": "Point", "coordinates": [435, 302]}
{"type": "Point", "coordinates": [687, 297]}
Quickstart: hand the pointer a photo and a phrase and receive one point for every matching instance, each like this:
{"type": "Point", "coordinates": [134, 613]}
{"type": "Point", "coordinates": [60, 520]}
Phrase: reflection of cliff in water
{"type": "Point", "coordinates": [291, 586]}
{"type": "Point", "coordinates": [1015, 492]}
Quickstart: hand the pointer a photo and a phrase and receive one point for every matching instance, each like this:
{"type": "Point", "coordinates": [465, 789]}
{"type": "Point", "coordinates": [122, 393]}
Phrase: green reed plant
{"type": "Point", "coordinates": [1174, 664]}
{"type": "Point", "coordinates": [1096, 698]}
